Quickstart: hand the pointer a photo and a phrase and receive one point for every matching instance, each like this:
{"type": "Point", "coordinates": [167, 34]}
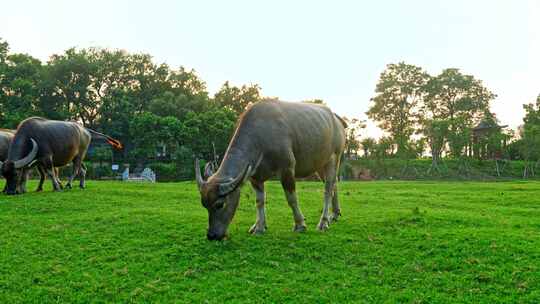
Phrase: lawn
{"type": "Point", "coordinates": [430, 242]}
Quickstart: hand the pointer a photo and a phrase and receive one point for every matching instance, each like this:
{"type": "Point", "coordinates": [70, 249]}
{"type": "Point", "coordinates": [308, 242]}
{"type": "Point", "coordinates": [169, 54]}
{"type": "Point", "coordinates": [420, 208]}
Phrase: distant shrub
{"type": "Point", "coordinates": [165, 172]}
{"type": "Point", "coordinates": [465, 169]}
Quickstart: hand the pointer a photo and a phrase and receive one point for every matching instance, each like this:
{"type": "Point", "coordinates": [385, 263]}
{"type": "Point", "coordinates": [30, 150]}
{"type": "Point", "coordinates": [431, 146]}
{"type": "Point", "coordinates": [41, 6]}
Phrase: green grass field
{"type": "Point", "coordinates": [432, 242]}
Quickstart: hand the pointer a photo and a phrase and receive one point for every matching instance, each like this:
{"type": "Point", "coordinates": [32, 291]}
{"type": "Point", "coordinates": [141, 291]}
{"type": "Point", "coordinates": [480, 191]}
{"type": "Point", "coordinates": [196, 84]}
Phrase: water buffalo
{"type": "Point", "coordinates": [6, 135]}
{"type": "Point", "coordinates": [47, 144]}
{"type": "Point", "coordinates": [275, 138]}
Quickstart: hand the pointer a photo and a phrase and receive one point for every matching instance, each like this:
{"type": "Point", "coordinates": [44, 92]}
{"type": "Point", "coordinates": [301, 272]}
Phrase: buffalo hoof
{"type": "Point", "coordinates": [257, 229]}
{"type": "Point", "coordinates": [323, 225]}
{"type": "Point", "coordinates": [335, 217]}
{"type": "Point", "coordinates": [300, 228]}
{"type": "Point", "coordinates": [39, 189]}
{"type": "Point", "coordinates": [82, 187]}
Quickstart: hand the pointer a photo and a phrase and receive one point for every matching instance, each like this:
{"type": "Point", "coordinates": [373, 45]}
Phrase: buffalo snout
{"type": "Point", "coordinates": [212, 236]}
{"type": "Point", "coordinates": [11, 192]}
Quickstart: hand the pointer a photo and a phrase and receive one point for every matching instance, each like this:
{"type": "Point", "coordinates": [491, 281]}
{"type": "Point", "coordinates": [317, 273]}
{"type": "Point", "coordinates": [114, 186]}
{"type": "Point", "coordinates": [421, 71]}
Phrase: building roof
{"type": "Point", "coordinates": [484, 125]}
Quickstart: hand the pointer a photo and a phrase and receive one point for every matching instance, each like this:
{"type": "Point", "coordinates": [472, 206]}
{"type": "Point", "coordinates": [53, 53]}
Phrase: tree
{"type": "Point", "coordinates": [237, 98]}
{"type": "Point", "coordinates": [150, 131]}
{"type": "Point", "coordinates": [398, 94]}
{"type": "Point", "coordinates": [102, 154]}
{"type": "Point", "coordinates": [368, 146]}
{"type": "Point", "coordinates": [460, 99]}
{"type": "Point", "coordinates": [436, 133]}
{"type": "Point", "coordinates": [203, 130]}
{"type": "Point", "coordinates": [530, 134]}
{"type": "Point", "coordinates": [384, 148]}
{"type": "Point", "coordinates": [20, 83]}
{"type": "Point", "coordinates": [352, 142]}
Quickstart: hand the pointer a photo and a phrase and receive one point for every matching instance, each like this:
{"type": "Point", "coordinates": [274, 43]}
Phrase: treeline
{"type": "Point", "coordinates": [447, 115]}
{"type": "Point", "coordinates": [167, 115]}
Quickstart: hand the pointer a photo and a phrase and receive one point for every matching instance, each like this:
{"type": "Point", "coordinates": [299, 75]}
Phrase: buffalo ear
{"type": "Point", "coordinates": [198, 177]}
{"type": "Point", "coordinates": [228, 187]}
{"type": "Point", "coordinates": [209, 170]}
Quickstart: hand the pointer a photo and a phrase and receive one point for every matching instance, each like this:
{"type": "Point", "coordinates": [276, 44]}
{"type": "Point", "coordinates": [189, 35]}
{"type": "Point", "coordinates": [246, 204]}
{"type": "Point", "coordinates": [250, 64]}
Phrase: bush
{"type": "Point", "coordinates": [165, 172]}
{"type": "Point", "coordinates": [465, 169]}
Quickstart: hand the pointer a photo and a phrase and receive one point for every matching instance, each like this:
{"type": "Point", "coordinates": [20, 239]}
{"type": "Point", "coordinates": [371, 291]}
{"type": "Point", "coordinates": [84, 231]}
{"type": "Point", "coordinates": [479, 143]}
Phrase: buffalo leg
{"type": "Point", "coordinates": [41, 178]}
{"type": "Point", "coordinates": [329, 187]}
{"type": "Point", "coordinates": [82, 176]}
{"type": "Point", "coordinates": [51, 172]}
{"type": "Point", "coordinates": [336, 210]}
{"type": "Point", "coordinates": [76, 168]}
{"type": "Point", "coordinates": [260, 224]}
{"type": "Point", "coordinates": [24, 178]}
{"type": "Point", "coordinates": [289, 186]}
{"type": "Point", "coordinates": [57, 172]}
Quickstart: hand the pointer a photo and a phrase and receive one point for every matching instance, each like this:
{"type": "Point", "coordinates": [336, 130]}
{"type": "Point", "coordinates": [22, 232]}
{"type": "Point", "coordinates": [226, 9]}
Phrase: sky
{"type": "Point", "coordinates": [298, 50]}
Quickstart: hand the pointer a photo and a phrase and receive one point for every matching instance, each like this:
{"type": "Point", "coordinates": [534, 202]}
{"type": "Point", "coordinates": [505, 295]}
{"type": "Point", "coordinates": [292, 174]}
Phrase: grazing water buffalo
{"type": "Point", "coordinates": [47, 144]}
{"type": "Point", "coordinates": [275, 138]}
{"type": "Point", "coordinates": [6, 135]}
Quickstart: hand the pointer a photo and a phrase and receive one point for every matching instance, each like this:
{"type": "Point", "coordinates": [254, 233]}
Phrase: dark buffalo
{"type": "Point", "coordinates": [275, 138]}
{"type": "Point", "coordinates": [6, 135]}
{"type": "Point", "coordinates": [47, 144]}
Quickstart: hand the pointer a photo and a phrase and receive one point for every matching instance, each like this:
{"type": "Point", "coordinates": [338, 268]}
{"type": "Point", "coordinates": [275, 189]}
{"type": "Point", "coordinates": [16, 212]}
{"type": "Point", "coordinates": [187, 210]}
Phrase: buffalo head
{"type": "Point", "coordinates": [220, 198]}
{"type": "Point", "coordinates": [14, 171]}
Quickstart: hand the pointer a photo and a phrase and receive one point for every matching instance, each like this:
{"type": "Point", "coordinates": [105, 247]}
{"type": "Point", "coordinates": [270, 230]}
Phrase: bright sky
{"type": "Point", "coordinates": [296, 50]}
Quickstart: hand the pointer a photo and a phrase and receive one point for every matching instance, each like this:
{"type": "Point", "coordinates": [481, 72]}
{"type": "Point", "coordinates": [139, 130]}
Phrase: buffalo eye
{"type": "Point", "coordinates": [220, 203]}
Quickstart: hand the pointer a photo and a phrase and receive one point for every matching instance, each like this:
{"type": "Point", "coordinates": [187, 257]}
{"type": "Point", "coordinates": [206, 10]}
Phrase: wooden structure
{"type": "Point", "coordinates": [480, 147]}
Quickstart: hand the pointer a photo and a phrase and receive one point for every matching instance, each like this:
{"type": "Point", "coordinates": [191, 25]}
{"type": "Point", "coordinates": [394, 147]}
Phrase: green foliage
{"type": "Point", "coordinates": [460, 99]}
{"type": "Point", "coordinates": [19, 88]}
{"type": "Point", "coordinates": [405, 242]}
{"type": "Point", "coordinates": [184, 160]}
{"type": "Point", "coordinates": [436, 133]}
{"type": "Point", "coordinates": [145, 105]}
{"type": "Point", "coordinates": [102, 154]}
{"type": "Point", "coordinates": [444, 109]}
{"type": "Point", "coordinates": [384, 148]}
{"type": "Point", "coordinates": [352, 141]}
{"type": "Point", "coordinates": [149, 131]}
{"type": "Point", "coordinates": [152, 107]}
{"type": "Point", "coordinates": [237, 99]}
{"type": "Point", "coordinates": [368, 146]}
{"type": "Point", "coordinates": [531, 131]}
{"type": "Point", "coordinates": [398, 94]}
{"type": "Point", "coordinates": [447, 169]}
{"type": "Point", "coordinates": [165, 172]}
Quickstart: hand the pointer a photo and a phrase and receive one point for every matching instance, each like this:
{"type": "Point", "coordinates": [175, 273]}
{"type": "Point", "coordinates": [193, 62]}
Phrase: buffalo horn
{"type": "Point", "coordinates": [28, 158]}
